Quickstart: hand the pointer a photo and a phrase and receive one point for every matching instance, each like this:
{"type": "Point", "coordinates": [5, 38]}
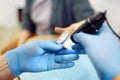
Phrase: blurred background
{"type": "Point", "coordinates": [10, 20]}
{"type": "Point", "coordinates": [11, 12]}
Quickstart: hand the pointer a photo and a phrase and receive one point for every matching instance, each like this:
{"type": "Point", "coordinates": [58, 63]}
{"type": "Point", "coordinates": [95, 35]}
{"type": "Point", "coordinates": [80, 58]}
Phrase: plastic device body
{"type": "Point", "coordinates": [90, 26]}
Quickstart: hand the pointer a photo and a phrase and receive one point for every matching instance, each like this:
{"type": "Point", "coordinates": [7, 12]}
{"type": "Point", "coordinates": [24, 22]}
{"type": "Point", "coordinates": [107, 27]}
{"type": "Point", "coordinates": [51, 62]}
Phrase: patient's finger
{"type": "Point", "coordinates": [59, 30]}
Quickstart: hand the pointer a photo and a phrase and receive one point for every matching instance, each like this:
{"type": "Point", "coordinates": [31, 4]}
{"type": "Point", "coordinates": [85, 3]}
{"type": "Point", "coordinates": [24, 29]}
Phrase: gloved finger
{"type": "Point", "coordinates": [64, 65]}
{"type": "Point", "coordinates": [77, 47]}
{"type": "Point", "coordinates": [31, 48]}
{"type": "Point", "coordinates": [82, 38]}
{"type": "Point", "coordinates": [49, 45]}
{"type": "Point", "coordinates": [36, 52]}
{"type": "Point", "coordinates": [82, 51]}
{"type": "Point", "coordinates": [69, 51]}
{"type": "Point", "coordinates": [105, 28]}
{"type": "Point", "coordinates": [69, 57]}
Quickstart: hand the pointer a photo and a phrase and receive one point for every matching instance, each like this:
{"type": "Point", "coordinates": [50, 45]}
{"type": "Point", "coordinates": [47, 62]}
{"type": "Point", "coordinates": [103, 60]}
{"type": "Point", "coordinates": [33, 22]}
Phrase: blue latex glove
{"type": "Point", "coordinates": [38, 56]}
{"type": "Point", "coordinates": [104, 51]}
{"type": "Point", "coordinates": [72, 50]}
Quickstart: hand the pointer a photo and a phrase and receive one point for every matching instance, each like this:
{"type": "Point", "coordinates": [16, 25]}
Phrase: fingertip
{"type": "Point", "coordinates": [56, 29]}
{"type": "Point", "coordinates": [67, 58]}
{"type": "Point", "coordinates": [70, 64]}
{"type": "Point", "coordinates": [59, 30]}
{"type": "Point", "coordinates": [64, 65]}
{"type": "Point", "coordinates": [74, 56]}
{"type": "Point", "coordinates": [59, 46]}
{"type": "Point", "coordinates": [77, 57]}
{"type": "Point", "coordinates": [77, 47]}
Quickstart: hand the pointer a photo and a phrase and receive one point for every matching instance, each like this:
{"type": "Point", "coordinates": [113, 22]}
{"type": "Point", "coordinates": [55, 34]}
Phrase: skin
{"type": "Point", "coordinates": [25, 34]}
{"type": "Point", "coordinates": [117, 77]}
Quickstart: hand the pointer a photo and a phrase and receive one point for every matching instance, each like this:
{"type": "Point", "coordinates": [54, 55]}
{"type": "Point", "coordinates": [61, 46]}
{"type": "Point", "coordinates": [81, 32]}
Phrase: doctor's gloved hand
{"type": "Point", "coordinates": [38, 56]}
{"type": "Point", "coordinates": [103, 50]}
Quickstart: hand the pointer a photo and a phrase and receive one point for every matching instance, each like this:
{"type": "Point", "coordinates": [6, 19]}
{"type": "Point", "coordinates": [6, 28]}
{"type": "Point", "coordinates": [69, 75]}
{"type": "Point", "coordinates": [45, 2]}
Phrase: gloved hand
{"type": "Point", "coordinates": [38, 56]}
{"type": "Point", "coordinates": [104, 51]}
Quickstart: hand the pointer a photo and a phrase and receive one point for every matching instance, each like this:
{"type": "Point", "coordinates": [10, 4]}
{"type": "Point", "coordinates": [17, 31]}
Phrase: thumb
{"type": "Point", "coordinates": [49, 45]}
{"type": "Point", "coordinates": [83, 38]}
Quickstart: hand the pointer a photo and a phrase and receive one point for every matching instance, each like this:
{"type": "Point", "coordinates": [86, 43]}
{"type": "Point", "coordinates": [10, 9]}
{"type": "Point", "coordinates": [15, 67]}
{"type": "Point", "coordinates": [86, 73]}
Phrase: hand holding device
{"type": "Point", "coordinates": [100, 42]}
{"type": "Point", "coordinates": [104, 51]}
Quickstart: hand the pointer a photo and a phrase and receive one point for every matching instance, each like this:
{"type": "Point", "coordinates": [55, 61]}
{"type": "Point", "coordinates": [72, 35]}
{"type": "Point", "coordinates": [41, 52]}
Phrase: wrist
{"type": "Point", "coordinates": [4, 69]}
{"type": "Point", "coordinates": [12, 58]}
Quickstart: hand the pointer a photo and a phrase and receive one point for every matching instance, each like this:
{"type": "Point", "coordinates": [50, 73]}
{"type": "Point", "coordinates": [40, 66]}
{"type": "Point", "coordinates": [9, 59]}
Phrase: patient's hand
{"type": "Point", "coordinates": [72, 26]}
{"type": "Point", "coordinates": [66, 32]}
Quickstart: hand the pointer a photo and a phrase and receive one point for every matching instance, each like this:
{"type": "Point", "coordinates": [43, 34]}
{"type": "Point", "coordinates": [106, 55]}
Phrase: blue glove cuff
{"type": "Point", "coordinates": [13, 62]}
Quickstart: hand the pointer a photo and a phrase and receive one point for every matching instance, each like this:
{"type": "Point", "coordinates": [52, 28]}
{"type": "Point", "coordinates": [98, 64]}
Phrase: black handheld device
{"type": "Point", "coordinates": [91, 25]}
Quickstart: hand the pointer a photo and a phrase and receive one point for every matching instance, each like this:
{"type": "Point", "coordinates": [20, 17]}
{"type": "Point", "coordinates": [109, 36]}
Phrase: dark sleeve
{"type": "Point", "coordinates": [81, 10]}
{"type": "Point", "coordinates": [27, 23]}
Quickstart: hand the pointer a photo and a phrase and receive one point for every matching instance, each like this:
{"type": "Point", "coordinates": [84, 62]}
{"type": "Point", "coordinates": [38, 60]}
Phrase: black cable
{"type": "Point", "coordinates": [111, 28]}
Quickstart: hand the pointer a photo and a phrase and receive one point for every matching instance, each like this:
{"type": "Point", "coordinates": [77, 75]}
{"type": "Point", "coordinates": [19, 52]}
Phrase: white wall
{"type": "Point", "coordinates": [8, 12]}
{"type": "Point", "coordinates": [113, 11]}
